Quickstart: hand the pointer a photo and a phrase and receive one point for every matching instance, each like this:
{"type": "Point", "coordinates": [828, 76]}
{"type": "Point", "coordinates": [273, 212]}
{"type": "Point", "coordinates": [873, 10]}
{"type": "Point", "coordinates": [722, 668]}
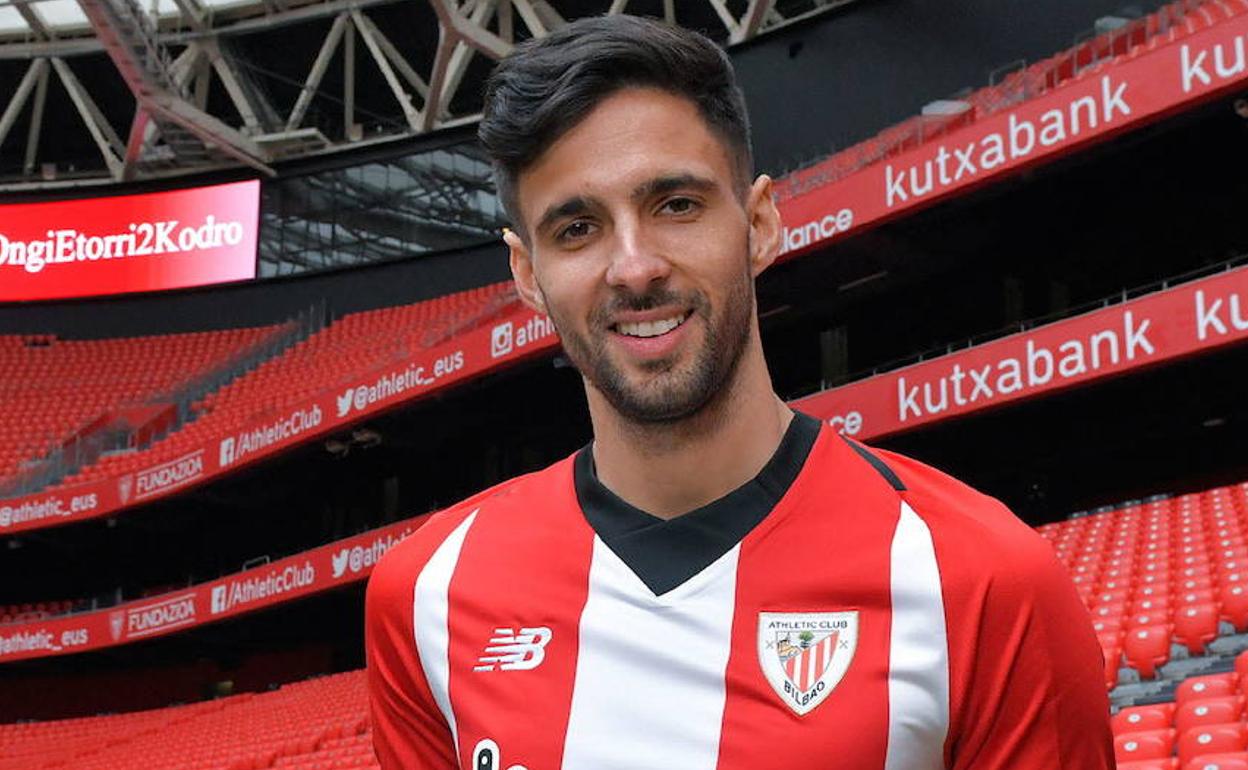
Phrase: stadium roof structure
{"type": "Point", "coordinates": [97, 92]}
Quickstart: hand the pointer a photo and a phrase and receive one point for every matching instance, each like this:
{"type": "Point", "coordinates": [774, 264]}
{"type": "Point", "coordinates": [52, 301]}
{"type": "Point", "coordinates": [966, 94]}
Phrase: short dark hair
{"type": "Point", "coordinates": [546, 86]}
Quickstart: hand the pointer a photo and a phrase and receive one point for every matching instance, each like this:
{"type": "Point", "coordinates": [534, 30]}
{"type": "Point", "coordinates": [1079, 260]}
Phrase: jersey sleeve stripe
{"type": "Point", "coordinates": [880, 466]}
{"type": "Point", "coordinates": [430, 615]}
{"type": "Point", "coordinates": [918, 673]}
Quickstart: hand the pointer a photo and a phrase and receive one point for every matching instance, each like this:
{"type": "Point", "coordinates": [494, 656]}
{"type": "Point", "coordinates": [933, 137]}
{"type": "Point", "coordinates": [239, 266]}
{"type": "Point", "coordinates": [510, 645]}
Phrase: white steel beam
{"type": "Point", "coordinates": [36, 121]}
{"type": "Point", "coordinates": [348, 79]}
{"type": "Point", "coordinates": [462, 56]}
{"type": "Point", "coordinates": [725, 16]}
{"type": "Point", "coordinates": [459, 27]}
{"type": "Point", "coordinates": [413, 79]}
{"type": "Point", "coordinates": [224, 68]}
{"type": "Point", "coordinates": [752, 21]}
{"type": "Point", "coordinates": [441, 62]}
{"type": "Point", "coordinates": [319, 65]}
{"type": "Point", "coordinates": [531, 18]}
{"type": "Point", "coordinates": [18, 100]}
{"type": "Point", "coordinates": [402, 97]}
{"type": "Point", "coordinates": [105, 137]}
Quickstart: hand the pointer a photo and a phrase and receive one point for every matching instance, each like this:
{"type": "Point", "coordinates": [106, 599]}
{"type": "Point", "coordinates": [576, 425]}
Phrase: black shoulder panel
{"type": "Point", "coordinates": [880, 466]}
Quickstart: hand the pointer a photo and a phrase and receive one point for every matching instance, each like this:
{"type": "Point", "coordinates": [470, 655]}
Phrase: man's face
{"type": "Point", "coordinates": [639, 249]}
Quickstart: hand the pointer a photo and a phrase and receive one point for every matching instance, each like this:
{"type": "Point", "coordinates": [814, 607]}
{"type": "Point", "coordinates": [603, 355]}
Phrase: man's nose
{"type": "Point", "coordinates": [636, 262]}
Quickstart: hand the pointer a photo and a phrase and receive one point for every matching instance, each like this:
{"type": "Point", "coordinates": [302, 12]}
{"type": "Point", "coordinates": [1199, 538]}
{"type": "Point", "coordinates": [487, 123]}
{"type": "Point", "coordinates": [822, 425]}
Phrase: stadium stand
{"type": "Point", "coordinates": [318, 724]}
{"type": "Point", "coordinates": [140, 371]}
{"type": "Point", "coordinates": [16, 613]}
{"type": "Point", "coordinates": [56, 391]}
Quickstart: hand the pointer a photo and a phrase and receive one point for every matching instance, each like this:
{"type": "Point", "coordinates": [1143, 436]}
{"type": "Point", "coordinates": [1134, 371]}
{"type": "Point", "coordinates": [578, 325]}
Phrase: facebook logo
{"type": "Point", "coordinates": [227, 452]}
{"type": "Point", "coordinates": [218, 599]}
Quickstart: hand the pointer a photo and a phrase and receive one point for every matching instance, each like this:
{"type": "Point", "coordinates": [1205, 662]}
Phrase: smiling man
{"type": "Point", "coordinates": [715, 581]}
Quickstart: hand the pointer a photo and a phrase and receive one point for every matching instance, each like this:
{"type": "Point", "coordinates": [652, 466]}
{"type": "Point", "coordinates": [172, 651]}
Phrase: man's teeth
{"type": "Point", "coordinates": [650, 328]}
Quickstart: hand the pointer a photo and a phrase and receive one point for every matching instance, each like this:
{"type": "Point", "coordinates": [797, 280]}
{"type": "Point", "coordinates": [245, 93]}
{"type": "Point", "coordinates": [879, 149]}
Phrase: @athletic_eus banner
{"type": "Point", "coordinates": [129, 243]}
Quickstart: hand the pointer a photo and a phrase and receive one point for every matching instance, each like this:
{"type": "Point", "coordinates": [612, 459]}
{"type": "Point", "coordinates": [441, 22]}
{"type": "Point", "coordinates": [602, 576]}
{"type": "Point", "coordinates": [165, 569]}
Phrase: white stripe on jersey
{"type": "Point", "coordinates": [431, 610]}
{"type": "Point", "coordinates": [918, 655]}
{"type": "Point", "coordinates": [649, 688]}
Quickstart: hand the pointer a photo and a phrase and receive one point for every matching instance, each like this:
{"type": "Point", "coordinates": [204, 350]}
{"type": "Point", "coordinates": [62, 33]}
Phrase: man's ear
{"type": "Point", "coordinates": [521, 259]}
{"type": "Point", "coordinates": [765, 227]}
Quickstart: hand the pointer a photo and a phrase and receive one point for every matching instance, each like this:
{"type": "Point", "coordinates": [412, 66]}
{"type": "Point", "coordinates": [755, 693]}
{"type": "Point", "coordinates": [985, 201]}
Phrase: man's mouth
{"type": "Point", "coordinates": [651, 328]}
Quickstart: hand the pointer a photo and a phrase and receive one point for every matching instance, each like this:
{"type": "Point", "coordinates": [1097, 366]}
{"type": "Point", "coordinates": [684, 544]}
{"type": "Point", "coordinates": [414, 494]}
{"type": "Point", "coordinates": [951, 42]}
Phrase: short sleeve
{"type": "Point", "coordinates": [409, 732]}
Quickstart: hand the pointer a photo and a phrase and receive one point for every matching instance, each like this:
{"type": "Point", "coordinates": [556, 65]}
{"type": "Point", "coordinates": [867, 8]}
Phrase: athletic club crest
{"type": "Point", "coordinates": [805, 654]}
{"type": "Point", "coordinates": [124, 486]}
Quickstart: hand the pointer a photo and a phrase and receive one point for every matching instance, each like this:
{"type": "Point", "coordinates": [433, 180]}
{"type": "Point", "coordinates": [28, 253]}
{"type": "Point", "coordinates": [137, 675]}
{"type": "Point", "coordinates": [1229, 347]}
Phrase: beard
{"type": "Point", "coordinates": [669, 389]}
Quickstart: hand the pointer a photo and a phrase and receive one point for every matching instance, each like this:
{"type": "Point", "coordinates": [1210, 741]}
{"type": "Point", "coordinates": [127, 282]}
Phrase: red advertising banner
{"type": "Point", "coordinates": [129, 243]}
{"type": "Point", "coordinates": [321, 569]}
{"type": "Point", "coordinates": [1195, 317]}
{"type": "Point", "coordinates": [1124, 93]}
{"type": "Point", "coordinates": [516, 334]}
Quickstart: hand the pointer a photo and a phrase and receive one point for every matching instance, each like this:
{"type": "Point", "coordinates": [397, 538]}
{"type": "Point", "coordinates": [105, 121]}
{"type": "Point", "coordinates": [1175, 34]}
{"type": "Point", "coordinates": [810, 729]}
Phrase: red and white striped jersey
{"type": "Point", "coordinates": [846, 608]}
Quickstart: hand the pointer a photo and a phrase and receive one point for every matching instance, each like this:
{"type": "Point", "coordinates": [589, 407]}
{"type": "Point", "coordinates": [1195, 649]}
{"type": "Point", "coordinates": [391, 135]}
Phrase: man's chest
{"type": "Point", "coordinates": [778, 654]}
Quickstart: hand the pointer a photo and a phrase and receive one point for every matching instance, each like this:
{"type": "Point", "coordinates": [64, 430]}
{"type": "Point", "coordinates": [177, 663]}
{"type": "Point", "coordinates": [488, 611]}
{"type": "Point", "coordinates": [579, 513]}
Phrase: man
{"type": "Point", "coordinates": [715, 581]}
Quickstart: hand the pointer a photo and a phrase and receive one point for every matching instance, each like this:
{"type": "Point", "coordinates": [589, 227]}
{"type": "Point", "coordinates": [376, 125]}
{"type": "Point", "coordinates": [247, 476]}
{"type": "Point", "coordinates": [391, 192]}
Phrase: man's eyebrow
{"type": "Point", "coordinates": [568, 208]}
{"type": "Point", "coordinates": [661, 185]}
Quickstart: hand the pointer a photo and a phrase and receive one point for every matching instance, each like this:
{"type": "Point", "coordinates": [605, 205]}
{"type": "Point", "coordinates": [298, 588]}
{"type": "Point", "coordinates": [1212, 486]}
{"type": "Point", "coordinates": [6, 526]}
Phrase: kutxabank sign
{"type": "Point", "coordinates": [1189, 319]}
{"type": "Point", "coordinates": [1155, 80]}
{"type": "Point", "coordinates": [129, 243]}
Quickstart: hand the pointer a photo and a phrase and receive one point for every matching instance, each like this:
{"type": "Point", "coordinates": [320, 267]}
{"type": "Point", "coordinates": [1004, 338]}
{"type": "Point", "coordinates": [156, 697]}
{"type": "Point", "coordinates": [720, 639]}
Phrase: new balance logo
{"type": "Point", "coordinates": [509, 651]}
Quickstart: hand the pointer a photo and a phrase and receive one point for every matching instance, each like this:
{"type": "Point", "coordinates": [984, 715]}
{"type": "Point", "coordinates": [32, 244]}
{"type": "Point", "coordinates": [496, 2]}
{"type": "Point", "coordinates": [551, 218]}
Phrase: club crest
{"type": "Point", "coordinates": [804, 655]}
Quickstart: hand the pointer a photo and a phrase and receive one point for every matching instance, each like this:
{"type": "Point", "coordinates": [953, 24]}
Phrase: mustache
{"type": "Point", "coordinates": [659, 296]}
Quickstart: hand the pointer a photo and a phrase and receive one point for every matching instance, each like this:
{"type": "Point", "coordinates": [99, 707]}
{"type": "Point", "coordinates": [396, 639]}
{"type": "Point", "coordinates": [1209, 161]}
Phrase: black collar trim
{"type": "Point", "coordinates": [664, 553]}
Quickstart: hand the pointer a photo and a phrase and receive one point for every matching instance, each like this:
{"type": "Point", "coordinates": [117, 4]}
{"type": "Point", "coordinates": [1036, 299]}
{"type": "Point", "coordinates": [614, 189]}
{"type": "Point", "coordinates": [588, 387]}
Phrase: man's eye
{"type": "Point", "coordinates": [680, 206]}
{"type": "Point", "coordinates": [576, 230]}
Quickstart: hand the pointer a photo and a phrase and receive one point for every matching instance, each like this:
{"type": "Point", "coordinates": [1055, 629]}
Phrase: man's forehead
{"type": "Point", "coordinates": [630, 139]}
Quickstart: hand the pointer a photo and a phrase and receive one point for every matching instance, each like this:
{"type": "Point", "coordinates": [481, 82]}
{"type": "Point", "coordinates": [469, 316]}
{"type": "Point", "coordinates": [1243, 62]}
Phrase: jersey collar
{"type": "Point", "coordinates": [664, 553]}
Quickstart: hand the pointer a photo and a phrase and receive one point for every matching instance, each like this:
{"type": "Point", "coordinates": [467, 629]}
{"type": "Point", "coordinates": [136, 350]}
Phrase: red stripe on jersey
{"type": "Point", "coordinates": [825, 548]}
{"type": "Point", "coordinates": [523, 571]}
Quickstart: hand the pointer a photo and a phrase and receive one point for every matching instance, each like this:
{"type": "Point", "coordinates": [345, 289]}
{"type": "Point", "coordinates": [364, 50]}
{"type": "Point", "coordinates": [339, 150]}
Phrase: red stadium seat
{"type": "Point", "coordinates": [1146, 744]}
{"type": "Point", "coordinates": [1158, 604]}
{"type": "Point", "coordinates": [1234, 598]}
{"type": "Point", "coordinates": [1208, 711]}
{"type": "Point", "coordinates": [1195, 626]}
{"type": "Point", "coordinates": [1232, 761]}
{"type": "Point", "coordinates": [1209, 686]}
{"type": "Point", "coordinates": [1166, 763]}
{"type": "Point", "coordinates": [1136, 719]}
{"type": "Point", "coordinates": [1146, 648]}
{"type": "Point", "coordinates": [1212, 739]}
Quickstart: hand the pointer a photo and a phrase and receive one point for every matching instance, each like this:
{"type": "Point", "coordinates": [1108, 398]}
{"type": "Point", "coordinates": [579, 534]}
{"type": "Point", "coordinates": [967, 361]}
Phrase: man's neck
{"type": "Point", "coordinates": [670, 469]}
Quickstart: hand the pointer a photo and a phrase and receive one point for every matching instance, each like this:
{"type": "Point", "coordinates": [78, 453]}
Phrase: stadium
{"type": "Point", "coordinates": [257, 325]}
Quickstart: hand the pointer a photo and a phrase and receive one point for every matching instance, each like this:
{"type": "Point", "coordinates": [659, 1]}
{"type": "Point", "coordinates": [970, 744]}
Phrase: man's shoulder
{"type": "Point", "coordinates": [403, 563]}
{"type": "Point", "coordinates": [975, 531]}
